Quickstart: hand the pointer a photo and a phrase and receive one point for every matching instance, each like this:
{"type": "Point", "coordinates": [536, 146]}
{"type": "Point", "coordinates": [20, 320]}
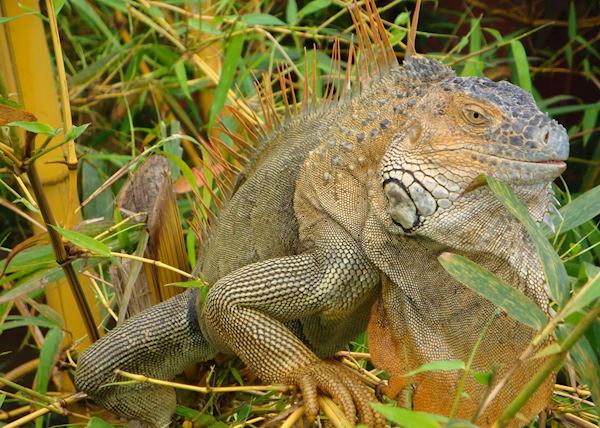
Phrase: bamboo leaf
{"type": "Point", "coordinates": [572, 32]}
{"type": "Point", "coordinates": [96, 422]}
{"type": "Point", "coordinates": [48, 357]}
{"type": "Point", "coordinates": [312, 7]}
{"type": "Point", "coordinates": [84, 241]}
{"type": "Point", "coordinates": [291, 12]}
{"type": "Point", "coordinates": [589, 293]}
{"type": "Point", "coordinates": [230, 65]}
{"type": "Point", "coordinates": [435, 366]}
{"type": "Point", "coordinates": [474, 65]}
{"type": "Point", "coordinates": [58, 5]}
{"type": "Point", "coordinates": [586, 362]}
{"type": "Point", "coordinates": [590, 116]}
{"type": "Point", "coordinates": [556, 111]}
{"type": "Point", "coordinates": [408, 418]}
{"type": "Point", "coordinates": [19, 321]}
{"type": "Point", "coordinates": [262, 19]}
{"type": "Point", "coordinates": [5, 19]}
{"type": "Point", "coordinates": [76, 131]}
{"type": "Point", "coordinates": [200, 283]}
{"type": "Point", "coordinates": [181, 75]}
{"type": "Point", "coordinates": [521, 64]}
{"type": "Point", "coordinates": [36, 127]}
{"type": "Point", "coordinates": [492, 288]}
{"type": "Point", "coordinates": [483, 378]}
{"type": "Point", "coordinates": [95, 21]}
{"type": "Point", "coordinates": [556, 275]}
{"type": "Point", "coordinates": [553, 348]}
{"type": "Point", "coordinates": [582, 209]}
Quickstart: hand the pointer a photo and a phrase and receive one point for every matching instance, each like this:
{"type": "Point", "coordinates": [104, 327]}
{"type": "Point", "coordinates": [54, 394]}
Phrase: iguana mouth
{"type": "Point", "coordinates": [553, 162]}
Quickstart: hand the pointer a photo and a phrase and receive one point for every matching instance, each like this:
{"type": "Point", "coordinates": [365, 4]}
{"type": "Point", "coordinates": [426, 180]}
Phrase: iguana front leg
{"type": "Point", "coordinates": [245, 313]}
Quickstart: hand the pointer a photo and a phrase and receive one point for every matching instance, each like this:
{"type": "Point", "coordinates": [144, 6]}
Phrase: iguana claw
{"type": "Point", "coordinates": [346, 389]}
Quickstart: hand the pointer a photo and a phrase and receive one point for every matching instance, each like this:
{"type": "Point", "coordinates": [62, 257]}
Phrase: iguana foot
{"type": "Point", "coordinates": [345, 387]}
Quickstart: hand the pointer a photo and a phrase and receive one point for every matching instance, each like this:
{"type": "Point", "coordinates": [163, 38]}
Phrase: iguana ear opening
{"type": "Point", "coordinates": [413, 133]}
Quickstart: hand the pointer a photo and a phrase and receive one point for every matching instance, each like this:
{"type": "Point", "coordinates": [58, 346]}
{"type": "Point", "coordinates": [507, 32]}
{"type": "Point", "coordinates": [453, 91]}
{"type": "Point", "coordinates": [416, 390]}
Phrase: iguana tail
{"type": "Point", "coordinates": [159, 342]}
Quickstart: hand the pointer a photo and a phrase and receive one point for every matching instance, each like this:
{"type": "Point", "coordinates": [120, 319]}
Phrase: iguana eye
{"type": "Point", "coordinates": [475, 115]}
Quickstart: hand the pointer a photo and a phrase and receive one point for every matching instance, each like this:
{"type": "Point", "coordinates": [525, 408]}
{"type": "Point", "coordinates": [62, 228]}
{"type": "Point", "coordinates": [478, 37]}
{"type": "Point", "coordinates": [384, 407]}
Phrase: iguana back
{"type": "Point", "coordinates": [258, 221]}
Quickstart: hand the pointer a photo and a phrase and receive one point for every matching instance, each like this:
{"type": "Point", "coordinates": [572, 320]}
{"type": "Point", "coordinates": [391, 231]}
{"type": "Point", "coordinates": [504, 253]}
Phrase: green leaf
{"type": "Point", "coordinates": [58, 5]}
{"type": "Point", "coordinates": [589, 293]}
{"type": "Point", "coordinates": [37, 257]}
{"type": "Point", "coordinates": [197, 283]}
{"type": "Point", "coordinates": [48, 356]}
{"type": "Point", "coordinates": [408, 418]}
{"type": "Point", "coordinates": [36, 127]}
{"type": "Point", "coordinates": [182, 78]}
{"type": "Point", "coordinates": [2, 398]}
{"type": "Point", "coordinates": [232, 58]}
{"type": "Point", "coordinates": [521, 64]}
{"type": "Point", "coordinates": [556, 275]}
{"type": "Point", "coordinates": [96, 422]}
{"type": "Point", "coordinates": [261, 19]}
{"type": "Point", "coordinates": [236, 375]}
{"type": "Point", "coordinates": [5, 19]}
{"type": "Point", "coordinates": [89, 14]}
{"type": "Point", "coordinates": [243, 412]}
{"type": "Point", "coordinates": [474, 65]}
{"type": "Point", "coordinates": [483, 378]}
{"type": "Point", "coordinates": [437, 366]}
{"type": "Point", "coordinates": [84, 241]}
{"type": "Point", "coordinates": [590, 116]}
{"type": "Point", "coordinates": [582, 209]}
{"type": "Point", "coordinates": [572, 31]}
{"type": "Point", "coordinates": [553, 348]}
{"type": "Point", "coordinates": [19, 321]}
{"type": "Point", "coordinates": [556, 111]}
{"type": "Point", "coordinates": [291, 12]}
{"type": "Point", "coordinates": [197, 417]}
{"type": "Point", "coordinates": [312, 7]}
{"type": "Point", "coordinates": [494, 289]}
{"type": "Point", "coordinates": [40, 279]}
{"type": "Point", "coordinates": [190, 244]}
{"type": "Point", "coordinates": [585, 360]}
{"type": "Point", "coordinates": [76, 131]}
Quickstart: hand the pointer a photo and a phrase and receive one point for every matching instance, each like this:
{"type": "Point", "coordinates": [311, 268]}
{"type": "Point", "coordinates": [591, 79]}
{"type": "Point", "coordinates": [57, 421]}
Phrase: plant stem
{"type": "Point", "coordinates": [202, 389]}
{"type": "Point", "coordinates": [551, 365]}
{"type": "Point", "coordinates": [60, 252]}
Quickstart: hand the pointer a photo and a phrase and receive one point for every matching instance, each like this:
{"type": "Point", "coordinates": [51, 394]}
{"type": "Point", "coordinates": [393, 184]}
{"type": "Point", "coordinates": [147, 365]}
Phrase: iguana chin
{"type": "Point", "coordinates": [346, 203]}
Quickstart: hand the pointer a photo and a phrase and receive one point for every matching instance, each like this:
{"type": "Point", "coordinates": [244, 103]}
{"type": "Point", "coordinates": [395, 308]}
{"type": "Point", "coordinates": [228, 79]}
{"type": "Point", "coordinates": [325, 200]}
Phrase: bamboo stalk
{"type": "Point", "coordinates": [60, 252]}
{"type": "Point", "coordinates": [56, 407]}
{"type": "Point", "coordinates": [28, 75]}
{"type": "Point", "coordinates": [202, 389]}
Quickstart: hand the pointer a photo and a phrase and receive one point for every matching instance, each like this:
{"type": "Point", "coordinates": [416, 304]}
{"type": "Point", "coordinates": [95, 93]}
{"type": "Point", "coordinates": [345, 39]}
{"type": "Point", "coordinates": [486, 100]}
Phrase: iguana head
{"type": "Point", "coordinates": [454, 130]}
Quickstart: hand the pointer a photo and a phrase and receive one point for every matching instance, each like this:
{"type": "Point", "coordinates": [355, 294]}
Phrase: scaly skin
{"type": "Point", "coordinates": [362, 194]}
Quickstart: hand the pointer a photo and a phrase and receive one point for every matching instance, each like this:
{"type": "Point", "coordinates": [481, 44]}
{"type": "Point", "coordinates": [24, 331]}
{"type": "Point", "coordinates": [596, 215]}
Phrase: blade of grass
{"type": "Point", "coordinates": [230, 64]}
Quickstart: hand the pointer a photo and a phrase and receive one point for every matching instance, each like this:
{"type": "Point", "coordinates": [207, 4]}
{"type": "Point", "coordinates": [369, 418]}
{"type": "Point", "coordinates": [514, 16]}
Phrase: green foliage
{"type": "Point", "coordinates": [488, 285]}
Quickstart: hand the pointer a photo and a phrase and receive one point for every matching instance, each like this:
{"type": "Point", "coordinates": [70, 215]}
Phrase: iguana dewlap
{"type": "Point", "coordinates": [350, 202]}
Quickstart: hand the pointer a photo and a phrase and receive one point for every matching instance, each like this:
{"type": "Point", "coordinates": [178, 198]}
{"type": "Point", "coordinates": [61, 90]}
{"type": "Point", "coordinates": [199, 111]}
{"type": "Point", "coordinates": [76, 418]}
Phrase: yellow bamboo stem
{"type": "Point", "coordinates": [27, 71]}
{"type": "Point", "coordinates": [202, 389]}
{"type": "Point", "coordinates": [155, 263]}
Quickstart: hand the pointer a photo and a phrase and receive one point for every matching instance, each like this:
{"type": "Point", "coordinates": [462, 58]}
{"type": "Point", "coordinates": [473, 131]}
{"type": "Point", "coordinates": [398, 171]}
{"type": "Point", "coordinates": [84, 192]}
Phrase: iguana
{"type": "Point", "coordinates": [343, 204]}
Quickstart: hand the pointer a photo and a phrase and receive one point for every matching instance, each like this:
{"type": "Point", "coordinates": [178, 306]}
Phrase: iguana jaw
{"type": "Point", "coordinates": [521, 172]}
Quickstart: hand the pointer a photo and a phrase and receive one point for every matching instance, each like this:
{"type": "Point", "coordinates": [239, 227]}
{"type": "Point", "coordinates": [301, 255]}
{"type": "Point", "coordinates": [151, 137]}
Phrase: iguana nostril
{"type": "Point", "coordinates": [546, 136]}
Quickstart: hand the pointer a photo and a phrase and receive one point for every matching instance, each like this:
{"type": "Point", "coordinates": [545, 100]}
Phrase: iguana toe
{"type": "Point", "coordinates": [346, 389]}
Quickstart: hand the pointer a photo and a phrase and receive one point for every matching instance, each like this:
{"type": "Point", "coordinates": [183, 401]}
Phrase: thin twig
{"type": "Point", "coordinates": [202, 389]}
